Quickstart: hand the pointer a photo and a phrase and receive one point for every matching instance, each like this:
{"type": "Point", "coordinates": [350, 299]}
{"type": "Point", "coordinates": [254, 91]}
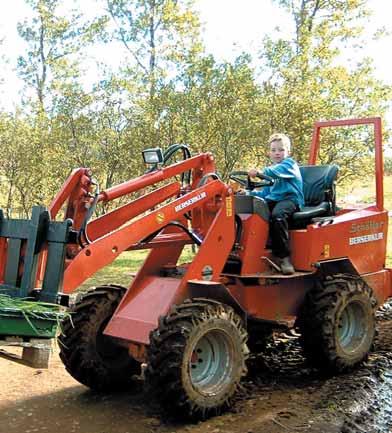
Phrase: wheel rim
{"type": "Point", "coordinates": [211, 362]}
{"type": "Point", "coordinates": [352, 327]}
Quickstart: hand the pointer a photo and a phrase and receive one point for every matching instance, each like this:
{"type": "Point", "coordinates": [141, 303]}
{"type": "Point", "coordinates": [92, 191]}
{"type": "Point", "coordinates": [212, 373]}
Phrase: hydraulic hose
{"type": "Point", "coordinates": [82, 235]}
{"type": "Point", "coordinates": [168, 154]}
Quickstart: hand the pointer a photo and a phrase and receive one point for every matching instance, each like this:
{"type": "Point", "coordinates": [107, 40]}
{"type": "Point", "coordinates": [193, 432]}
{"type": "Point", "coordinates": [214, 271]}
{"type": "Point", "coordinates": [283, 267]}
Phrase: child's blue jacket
{"type": "Point", "coordinates": [288, 183]}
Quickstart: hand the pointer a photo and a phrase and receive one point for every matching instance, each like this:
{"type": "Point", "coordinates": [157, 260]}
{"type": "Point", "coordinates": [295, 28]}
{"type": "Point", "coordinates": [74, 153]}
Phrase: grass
{"type": "Point", "coordinates": [119, 272]}
{"type": "Point", "coordinates": [122, 270]}
{"type": "Point", "coordinates": [364, 191]}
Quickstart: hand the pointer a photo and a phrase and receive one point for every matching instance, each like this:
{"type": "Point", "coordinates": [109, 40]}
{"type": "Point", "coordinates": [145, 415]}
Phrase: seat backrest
{"type": "Point", "coordinates": [319, 183]}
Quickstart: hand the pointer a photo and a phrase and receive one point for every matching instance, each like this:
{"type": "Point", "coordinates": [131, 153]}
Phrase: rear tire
{"type": "Point", "coordinates": [338, 323]}
{"type": "Point", "coordinates": [196, 358]}
{"type": "Point", "coordinates": [90, 357]}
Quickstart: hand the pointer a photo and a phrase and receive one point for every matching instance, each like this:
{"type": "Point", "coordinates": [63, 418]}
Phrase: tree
{"type": "Point", "coordinates": [24, 174]}
{"type": "Point", "coordinates": [212, 107]}
{"type": "Point", "coordinates": [158, 34]}
{"type": "Point", "coordinates": [51, 69]}
{"type": "Point", "coordinates": [307, 80]}
{"type": "Point", "coordinates": [54, 42]}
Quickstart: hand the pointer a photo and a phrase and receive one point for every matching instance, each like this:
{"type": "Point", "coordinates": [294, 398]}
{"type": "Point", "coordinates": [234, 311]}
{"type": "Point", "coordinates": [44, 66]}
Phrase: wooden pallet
{"type": "Point", "coordinates": [35, 351]}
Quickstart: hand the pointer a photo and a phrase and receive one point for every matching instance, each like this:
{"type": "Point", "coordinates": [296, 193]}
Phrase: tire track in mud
{"type": "Point", "coordinates": [355, 402]}
{"type": "Point", "coordinates": [374, 382]}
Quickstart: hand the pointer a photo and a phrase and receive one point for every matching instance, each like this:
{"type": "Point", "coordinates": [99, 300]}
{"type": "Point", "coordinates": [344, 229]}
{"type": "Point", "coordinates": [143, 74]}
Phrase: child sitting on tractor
{"type": "Point", "coordinates": [284, 197]}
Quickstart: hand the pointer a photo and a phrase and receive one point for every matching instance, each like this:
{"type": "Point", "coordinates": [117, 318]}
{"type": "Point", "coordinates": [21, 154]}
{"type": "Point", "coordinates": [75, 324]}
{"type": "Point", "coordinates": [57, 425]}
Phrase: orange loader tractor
{"type": "Point", "coordinates": [189, 327]}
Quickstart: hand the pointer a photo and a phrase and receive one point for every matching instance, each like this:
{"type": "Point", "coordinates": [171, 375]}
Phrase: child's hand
{"type": "Point", "coordinates": [252, 172]}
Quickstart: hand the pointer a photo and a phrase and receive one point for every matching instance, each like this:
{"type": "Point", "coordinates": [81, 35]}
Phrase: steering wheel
{"type": "Point", "coordinates": [244, 180]}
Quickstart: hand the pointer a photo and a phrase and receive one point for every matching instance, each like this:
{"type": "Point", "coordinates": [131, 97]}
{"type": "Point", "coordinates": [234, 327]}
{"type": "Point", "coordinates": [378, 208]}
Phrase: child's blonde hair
{"type": "Point", "coordinates": [283, 138]}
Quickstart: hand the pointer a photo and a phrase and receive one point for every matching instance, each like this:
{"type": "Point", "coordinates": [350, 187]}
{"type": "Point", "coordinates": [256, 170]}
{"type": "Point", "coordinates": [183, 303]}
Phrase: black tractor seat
{"type": "Point", "coordinates": [308, 212]}
{"type": "Point", "coordinates": [319, 193]}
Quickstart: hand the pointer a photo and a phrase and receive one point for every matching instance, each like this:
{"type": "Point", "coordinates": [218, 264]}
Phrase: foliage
{"type": "Point", "coordinates": [205, 112]}
{"type": "Point", "coordinates": [168, 90]}
{"type": "Point", "coordinates": [307, 81]}
{"type": "Point", "coordinates": [388, 166]}
{"type": "Point", "coordinates": [54, 42]}
{"type": "Point", "coordinates": [158, 34]}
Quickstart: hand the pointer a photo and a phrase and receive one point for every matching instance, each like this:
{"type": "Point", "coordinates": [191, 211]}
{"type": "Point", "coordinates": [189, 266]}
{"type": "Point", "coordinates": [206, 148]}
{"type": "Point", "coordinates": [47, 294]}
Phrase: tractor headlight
{"type": "Point", "coordinates": [153, 156]}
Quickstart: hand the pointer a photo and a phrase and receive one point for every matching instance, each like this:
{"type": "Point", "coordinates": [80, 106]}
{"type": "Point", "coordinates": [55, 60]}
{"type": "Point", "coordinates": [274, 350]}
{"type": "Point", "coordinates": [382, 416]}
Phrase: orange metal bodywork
{"type": "Point", "coordinates": [104, 250]}
{"type": "Point", "coordinates": [151, 294]}
{"type": "Point", "coordinates": [378, 151]}
{"type": "Point", "coordinates": [207, 199]}
{"type": "Point", "coordinates": [272, 300]}
{"type": "Point", "coordinates": [255, 236]}
{"type": "Point", "coordinates": [355, 235]}
{"type": "Point", "coordinates": [318, 243]}
{"type": "Point", "coordinates": [170, 216]}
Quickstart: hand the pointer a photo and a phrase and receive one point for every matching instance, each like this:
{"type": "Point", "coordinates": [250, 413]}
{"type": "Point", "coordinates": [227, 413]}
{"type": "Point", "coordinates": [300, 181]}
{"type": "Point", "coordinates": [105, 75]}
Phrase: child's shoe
{"type": "Point", "coordinates": [286, 267]}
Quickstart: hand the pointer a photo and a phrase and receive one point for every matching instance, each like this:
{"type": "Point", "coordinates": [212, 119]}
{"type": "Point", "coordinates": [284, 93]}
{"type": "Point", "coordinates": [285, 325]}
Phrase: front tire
{"type": "Point", "coordinates": [196, 358]}
{"type": "Point", "coordinates": [338, 323]}
{"type": "Point", "coordinates": [89, 356]}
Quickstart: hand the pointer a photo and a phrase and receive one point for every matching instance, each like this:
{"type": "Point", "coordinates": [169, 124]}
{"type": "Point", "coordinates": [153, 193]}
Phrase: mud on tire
{"type": "Point", "coordinates": [196, 358]}
{"type": "Point", "coordinates": [90, 357]}
{"type": "Point", "coordinates": [338, 323]}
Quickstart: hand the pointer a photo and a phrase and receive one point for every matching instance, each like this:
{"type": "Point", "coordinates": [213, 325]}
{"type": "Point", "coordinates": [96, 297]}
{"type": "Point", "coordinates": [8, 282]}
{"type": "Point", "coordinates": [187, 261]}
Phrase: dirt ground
{"type": "Point", "coordinates": [281, 394]}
